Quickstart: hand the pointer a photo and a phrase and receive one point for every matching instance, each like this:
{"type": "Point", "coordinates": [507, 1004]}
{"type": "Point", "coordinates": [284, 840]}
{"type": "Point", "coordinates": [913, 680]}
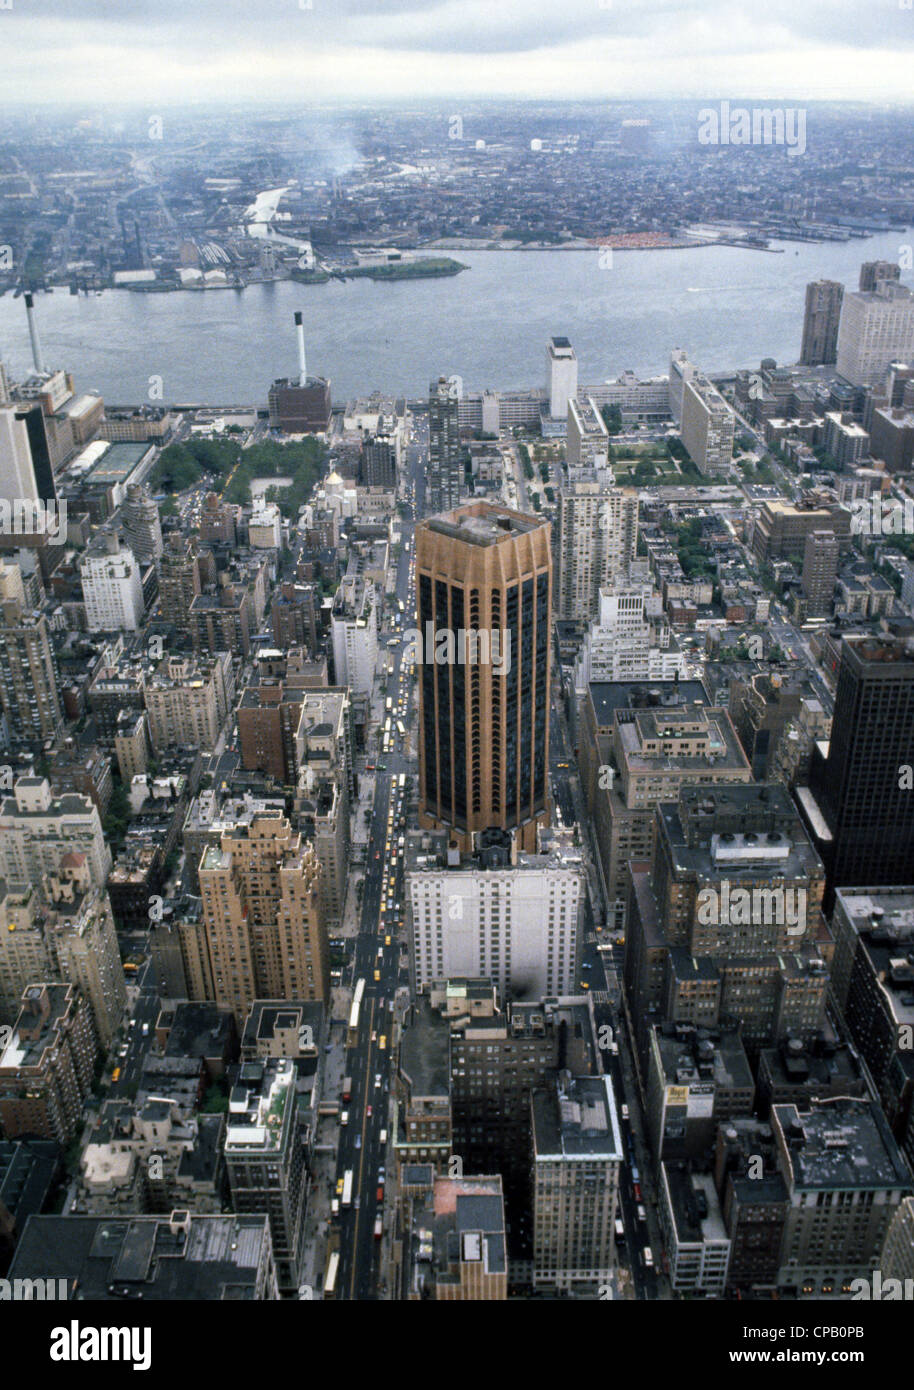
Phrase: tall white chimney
{"type": "Point", "coordinates": [33, 334]}
{"type": "Point", "coordinates": [302, 369]}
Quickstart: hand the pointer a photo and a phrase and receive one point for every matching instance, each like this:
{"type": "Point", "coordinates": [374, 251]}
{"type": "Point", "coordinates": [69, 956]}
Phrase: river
{"type": "Point", "coordinates": [726, 306]}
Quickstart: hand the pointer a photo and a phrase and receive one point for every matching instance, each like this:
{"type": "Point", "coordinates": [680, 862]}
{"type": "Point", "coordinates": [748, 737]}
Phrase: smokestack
{"type": "Point", "coordinates": [33, 334]}
{"type": "Point", "coordinates": [302, 369]}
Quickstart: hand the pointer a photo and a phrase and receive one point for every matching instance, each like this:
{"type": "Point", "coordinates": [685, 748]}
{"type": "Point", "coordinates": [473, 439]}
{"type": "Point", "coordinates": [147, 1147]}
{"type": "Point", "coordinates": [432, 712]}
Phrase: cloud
{"type": "Point", "coordinates": [149, 51]}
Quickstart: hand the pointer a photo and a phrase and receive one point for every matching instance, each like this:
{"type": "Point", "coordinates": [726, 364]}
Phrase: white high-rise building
{"type": "Point", "coordinates": [518, 924]}
{"type": "Point", "coordinates": [577, 1156]}
{"type": "Point", "coordinates": [681, 371]}
{"type": "Point", "coordinates": [597, 538]}
{"type": "Point", "coordinates": [708, 425]}
{"type": "Point", "coordinates": [354, 628]}
{"type": "Point", "coordinates": [17, 473]}
{"type": "Point", "coordinates": [561, 377]}
{"type": "Point", "coordinates": [876, 329]}
{"type": "Point", "coordinates": [39, 832]}
{"type": "Point", "coordinates": [112, 587]}
{"type": "Point", "coordinates": [630, 640]}
{"type": "Point", "coordinates": [587, 437]}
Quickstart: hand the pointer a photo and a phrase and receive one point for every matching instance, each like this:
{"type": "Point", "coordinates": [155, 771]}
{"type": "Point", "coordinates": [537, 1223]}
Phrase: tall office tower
{"type": "Point", "coordinates": [498, 1058]}
{"type": "Point", "coordinates": [518, 923]}
{"type": "Point", "coordinates": [265, 1158]}
{"type": "Point", "coordinates": [293, 615]}
{"type": "Point", "coordinates": [47, 1064]}
{"type": "Point", "coordinates": [653, 753]}
{"type": "Point", "coordinates": [83, 941]}
{"type": "Point", "coordinates": [845, 1180]}
{"type": "Point", "coordinates": [561, 377]}
{"type": "Point", "coordinates": [445, 466]}
{"type": "Point", "coordinates": [222, 622]}
{"type": "Point", "coordinates": [17, 471]}
{"type": "Point", "coordinates": [262, 930]}
{"type": "Point", "coordinates": [587, 438]}
{"type": "Point", "coordinates": [708, 426]}
{"type": "Point", "coordinates": [871, 984]}
{"type": "Point", "coordinates": [820, 570]}
{"type": "Point", "coordinates": [681, 371]}
{"type": "Point", "coordinates": [577, 1154]}
{"type": "Point", "coordinates": [29, 697]}
{"type": "Point", "coordinates": [179, 580]}
{"type": "Point", "coordinates": [484, 603]}
{"type": "Point", "coordinates": [726, 922]}
{"type": "Point", "coordinates": [354, 633]}
{"type": "Point", "coordinates": [142, 528]}
{"type": "Point", "coordinates": [877, 329]}
{"type": "Point", "coordinates": [858, 805]}
{"type": "Point", "coordinates": [871, 272]}
{"type": "Point", "coordinates": [820, 322]}
{"type": "Point", "coordinates": [380, 455]}
{"type": "Point", "coordinates": [597, 530]}
{"type": "Point", "coordinates": [112, 586]}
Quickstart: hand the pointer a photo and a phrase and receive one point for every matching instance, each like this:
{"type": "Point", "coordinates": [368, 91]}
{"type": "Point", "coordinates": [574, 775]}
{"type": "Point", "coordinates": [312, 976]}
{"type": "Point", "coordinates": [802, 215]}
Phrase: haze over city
{"type": "Point", "coordinates": [456, 677]}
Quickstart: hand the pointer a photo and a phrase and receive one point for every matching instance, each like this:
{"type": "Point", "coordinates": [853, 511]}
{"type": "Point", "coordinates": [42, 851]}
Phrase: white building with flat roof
{"type": "Point", "coordinates": [561, 377]}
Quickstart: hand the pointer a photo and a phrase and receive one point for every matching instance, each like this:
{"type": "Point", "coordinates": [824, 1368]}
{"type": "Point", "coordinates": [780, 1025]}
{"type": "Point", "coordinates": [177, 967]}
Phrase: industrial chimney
{"type": "Point", "coordinates": [33, 334]}
{"type": "Point", "coordinates": [302, 370]}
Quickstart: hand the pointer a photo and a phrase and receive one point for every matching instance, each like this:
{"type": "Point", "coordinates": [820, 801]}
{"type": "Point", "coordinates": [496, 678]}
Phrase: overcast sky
{"type": "Point", "coordinates": [165, 51]}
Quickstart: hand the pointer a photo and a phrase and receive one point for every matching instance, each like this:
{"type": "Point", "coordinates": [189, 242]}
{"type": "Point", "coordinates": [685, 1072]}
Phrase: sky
{"type": "Point", "coordinates": [166, 52]}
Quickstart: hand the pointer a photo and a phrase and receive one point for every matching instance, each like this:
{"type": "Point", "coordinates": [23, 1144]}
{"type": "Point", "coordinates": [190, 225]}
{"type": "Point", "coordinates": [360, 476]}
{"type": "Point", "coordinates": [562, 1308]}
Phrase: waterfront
{"type": "Point", "coordinates": [727, 306]}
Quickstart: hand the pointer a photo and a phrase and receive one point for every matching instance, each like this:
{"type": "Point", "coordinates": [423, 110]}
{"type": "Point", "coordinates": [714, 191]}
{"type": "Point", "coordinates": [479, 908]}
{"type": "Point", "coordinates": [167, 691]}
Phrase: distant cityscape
{"type": "Point", "coordinates": [166, 202]}
{"type": "Point", "coordinates": [457, 847]}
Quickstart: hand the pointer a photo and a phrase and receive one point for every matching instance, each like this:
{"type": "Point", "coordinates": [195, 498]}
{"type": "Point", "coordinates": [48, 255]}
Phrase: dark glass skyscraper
{"type": "Point", "coordinates": [445, 471]}
{"type": "Point", "coordinates": [860, 804]}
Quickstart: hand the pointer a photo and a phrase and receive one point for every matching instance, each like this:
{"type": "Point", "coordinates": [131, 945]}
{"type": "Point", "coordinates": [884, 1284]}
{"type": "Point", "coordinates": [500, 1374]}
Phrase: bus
{"type": "Point", "coordinates": [353, 1038]}
{"type": "Point", "coordinates": [346, 1199]}
{"type": "Point", "coordinates": [347, 1088]}
{"type": "Point", "coordinates": [333, 1264]}
{"type": "Point", "coordinates": [402, 782]}
{"type": "Point", "coordinates": [389, 705]}
{"type": "Point", "coordinates": [401, 728]}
